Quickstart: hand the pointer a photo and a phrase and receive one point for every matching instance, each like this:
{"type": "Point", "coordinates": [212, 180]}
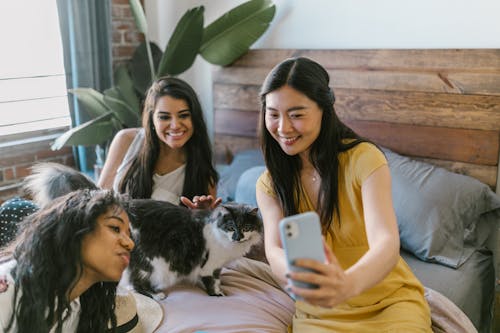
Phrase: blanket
{"type": "Point", "coordinates": [255, 302]}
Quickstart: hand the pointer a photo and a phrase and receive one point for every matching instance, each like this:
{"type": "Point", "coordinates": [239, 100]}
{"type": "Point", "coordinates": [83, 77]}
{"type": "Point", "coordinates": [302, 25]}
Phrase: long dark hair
{"type": "Point", "coordinates": [200, 172]}
{"type": "Point", "coordinates": [49, 263]}
{"type": "Point", "coordinates": [311, 79]}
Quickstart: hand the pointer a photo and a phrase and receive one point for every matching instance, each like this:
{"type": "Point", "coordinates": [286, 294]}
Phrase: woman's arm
{"type": "Point", "coordinates": [272, 214]}
{"type": "Point", "coordinates": [337, 285]}
{"type": "Point", "coordinates": [381, 231]}
{"type": "Point", "coordinates": [119, 146]}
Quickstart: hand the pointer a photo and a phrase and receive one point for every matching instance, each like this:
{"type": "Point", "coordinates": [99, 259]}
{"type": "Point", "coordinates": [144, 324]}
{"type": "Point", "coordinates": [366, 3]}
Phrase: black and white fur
{"type": "Point", "coordinates": [180, 244]}
{"type": "Point", "coordinates": [172, 243]}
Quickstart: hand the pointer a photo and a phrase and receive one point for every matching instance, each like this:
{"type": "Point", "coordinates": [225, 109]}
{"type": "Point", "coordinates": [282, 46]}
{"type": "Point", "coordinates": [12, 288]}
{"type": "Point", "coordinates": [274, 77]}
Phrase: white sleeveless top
{"type": "Point", "coordinates": [7, 297]}
{"type": "Point", "coordinates": [167, 187]}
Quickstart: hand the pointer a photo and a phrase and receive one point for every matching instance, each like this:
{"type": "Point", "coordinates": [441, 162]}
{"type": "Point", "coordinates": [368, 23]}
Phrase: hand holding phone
{"type": "Point", "coordinates": [301, 238]}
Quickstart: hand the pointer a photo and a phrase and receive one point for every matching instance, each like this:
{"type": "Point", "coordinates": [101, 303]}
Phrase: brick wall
{"type": "Point", "coordinates": [15, 162]}
{"type": "Point", "coordinates": [125, 37]}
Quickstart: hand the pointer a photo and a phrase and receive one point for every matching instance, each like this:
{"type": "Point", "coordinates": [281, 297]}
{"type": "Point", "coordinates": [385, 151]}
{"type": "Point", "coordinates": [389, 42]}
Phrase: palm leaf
{"type": "Point", "coordinates": [114, 100]}
{"type": "Point", "coordinates": [93, 132]}
{"type": "Point", "coordinates": [142, 26]}
{"type": "Point", "coordinates": [91, 100]}
{"type": "Point", "coordinates": [139, 16]}
{"type": "Point", "coordinates": [183, 46]}
{"type": "Point", "coordinates": [141, 76]}
{"type": "Point", "coordinates": [125, 84]}
{"type": "Point", "coordinates": [230, 36]}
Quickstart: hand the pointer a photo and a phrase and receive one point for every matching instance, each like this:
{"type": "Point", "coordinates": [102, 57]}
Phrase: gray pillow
{"type": "Point", "coordinates": [230, 174]}
{"type": "Point", "coordinates": [245, 188]}
{"type": "Point", "coordinates": [437, 210]}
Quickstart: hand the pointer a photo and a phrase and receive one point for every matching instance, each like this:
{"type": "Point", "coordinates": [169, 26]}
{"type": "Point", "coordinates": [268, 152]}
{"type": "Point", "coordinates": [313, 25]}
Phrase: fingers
{"type": "Point", "coordinates": [330, 257]}
{"type": "Point", "coordinates": [188, 203]}
{"type": "Point", "coordinates": [328, 277]}
{"type": "Point", "coordinates": [201, 202]}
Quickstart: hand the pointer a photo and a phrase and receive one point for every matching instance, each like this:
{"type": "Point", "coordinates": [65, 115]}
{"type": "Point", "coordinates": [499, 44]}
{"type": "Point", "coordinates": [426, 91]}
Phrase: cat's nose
{"type": "Point", "coordinates": [237, 236]}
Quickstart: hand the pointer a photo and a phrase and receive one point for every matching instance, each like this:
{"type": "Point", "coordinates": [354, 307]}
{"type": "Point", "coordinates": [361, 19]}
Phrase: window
{"type": "Point", "coordinates": [33, 95]}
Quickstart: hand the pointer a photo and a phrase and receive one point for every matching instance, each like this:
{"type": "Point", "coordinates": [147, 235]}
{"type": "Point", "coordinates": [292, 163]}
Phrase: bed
{"type": "Point", "coordinates": [436, 114]}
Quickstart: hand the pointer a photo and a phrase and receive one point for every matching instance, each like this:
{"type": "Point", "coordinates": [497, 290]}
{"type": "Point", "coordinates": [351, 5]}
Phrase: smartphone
{"type": "Point", "coordinates": [301, 238]}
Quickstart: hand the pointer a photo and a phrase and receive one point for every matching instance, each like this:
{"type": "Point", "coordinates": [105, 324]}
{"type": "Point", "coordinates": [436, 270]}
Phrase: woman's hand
{"type": "Point", "coordinates": [334, 286]}
{"type": "Point", "coordinates": [201, 202]}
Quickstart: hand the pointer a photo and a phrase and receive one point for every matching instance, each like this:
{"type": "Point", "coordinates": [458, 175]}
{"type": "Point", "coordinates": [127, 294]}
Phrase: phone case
{"type": "Point", "coordinates": [301, 238]}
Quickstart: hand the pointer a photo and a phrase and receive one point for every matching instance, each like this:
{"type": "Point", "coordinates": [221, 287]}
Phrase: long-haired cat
{"type": "Point", "coordinates": [172, 243]}
{"type": "Point", "coordinates": [176, 244]}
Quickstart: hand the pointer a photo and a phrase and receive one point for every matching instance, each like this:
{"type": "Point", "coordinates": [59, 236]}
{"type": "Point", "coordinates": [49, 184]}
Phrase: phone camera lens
{"type": "Point", "coordinates": [289, 234]}
{"type": "Point", "coordinates": [288, 226]}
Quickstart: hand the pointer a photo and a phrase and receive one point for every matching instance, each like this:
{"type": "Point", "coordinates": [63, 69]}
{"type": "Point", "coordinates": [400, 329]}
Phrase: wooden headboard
{"type": "Point", "coordinates": [440, 106]}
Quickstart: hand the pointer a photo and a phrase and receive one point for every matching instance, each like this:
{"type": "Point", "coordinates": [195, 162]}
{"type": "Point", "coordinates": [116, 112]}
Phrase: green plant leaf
{"type": "Point", "coordinates": [124, 112]}
{"type": "Point", "coordinates": [183, 46]}
{"type": "Point", "coordinates": [125, 84]}
{"type": "Point", "coordinates": [139, 66]}
{"type": "Point", "coordinates": [91, 100]}
{"type": "Point", "coordinates": [231, 35]}
{"type": "Point", "coordinates": [139, 16]}
{"type": "Point", "coordinates": [92, 132]}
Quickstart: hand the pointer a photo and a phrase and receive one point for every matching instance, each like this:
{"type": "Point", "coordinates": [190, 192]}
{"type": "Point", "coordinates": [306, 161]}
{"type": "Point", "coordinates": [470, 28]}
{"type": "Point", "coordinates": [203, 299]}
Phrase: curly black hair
{"type": "Point", "coordinates": [49, 263]}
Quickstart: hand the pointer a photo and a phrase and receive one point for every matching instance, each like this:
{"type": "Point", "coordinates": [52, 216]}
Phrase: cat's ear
{"type": "Point", "coordinates": [254, 211]}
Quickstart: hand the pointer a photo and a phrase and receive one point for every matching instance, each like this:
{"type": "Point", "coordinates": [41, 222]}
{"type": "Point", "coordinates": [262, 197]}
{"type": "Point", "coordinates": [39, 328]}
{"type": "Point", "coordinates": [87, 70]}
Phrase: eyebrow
{"type": "Point", "coordinates": [180, 111]}
{"type": "Point", "coordinates": [293, 108]}
{"type": "Point", "coordinates": [116, 218]}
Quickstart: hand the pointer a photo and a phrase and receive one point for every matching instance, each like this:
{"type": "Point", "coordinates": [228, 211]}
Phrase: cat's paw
{"type": "Point", "coordinates": [217, 293]}
{"type": "Point", "coordinates": [159, 296]}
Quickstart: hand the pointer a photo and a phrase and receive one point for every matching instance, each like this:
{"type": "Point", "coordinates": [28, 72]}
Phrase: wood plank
{"type": "Point", "coordinates": [428, 109]}
{"type": "Point", "coordinates": [234, 143]}
{"type": "Point", "coordinates": [233, 122]}
{"type": "Point", "coordinates": [229, 145]}
{"type": "Point", "coordinates": [463, 145]}
{"type": "Point", "coordinates": [453, 83]}
{"type": "Point", "coordinates": [416, 59]}
{"type": "Point", "coordinates": [236, 97]}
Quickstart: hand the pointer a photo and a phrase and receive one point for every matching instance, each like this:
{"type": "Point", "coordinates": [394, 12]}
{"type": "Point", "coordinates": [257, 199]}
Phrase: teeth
{"type": "Point", "coordinates": [289, 140]}
{"type": "Point", "coordinates": [176, 134]}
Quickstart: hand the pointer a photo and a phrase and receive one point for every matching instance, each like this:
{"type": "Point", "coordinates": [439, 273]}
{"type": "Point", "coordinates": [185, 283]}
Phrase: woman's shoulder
{"type": "Point", "coordinates": [127, 135]}
{"type": "Point", "coordinates": [364, 150]}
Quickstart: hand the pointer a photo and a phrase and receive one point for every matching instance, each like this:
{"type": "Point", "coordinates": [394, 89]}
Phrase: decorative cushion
{"type": "Point", "coordinates": [438, 210]}
{"type": "Point", "coordinates": [230, 174]}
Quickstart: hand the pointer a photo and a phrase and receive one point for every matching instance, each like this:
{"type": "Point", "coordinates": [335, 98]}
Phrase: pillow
{"type": "Point", "coordinates": [437, 210]}
{"type": "Point", "coordinates": [230, 174]}
{"type": "Point", "coordinates": [245, 188]}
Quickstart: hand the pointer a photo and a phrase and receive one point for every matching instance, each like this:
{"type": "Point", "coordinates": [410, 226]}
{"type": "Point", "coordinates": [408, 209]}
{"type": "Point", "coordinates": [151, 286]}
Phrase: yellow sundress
{"type": "Point", "coordinates": [397, 303]}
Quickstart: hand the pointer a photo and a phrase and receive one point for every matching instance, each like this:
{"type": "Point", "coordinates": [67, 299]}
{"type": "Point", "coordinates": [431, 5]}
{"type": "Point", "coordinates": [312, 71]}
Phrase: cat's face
{"type": "Point", "coordinates": [238, 222]}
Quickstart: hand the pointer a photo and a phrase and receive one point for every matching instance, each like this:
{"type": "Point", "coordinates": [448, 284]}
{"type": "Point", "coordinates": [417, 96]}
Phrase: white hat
{"type": "Point", "coordinates": [136, 313]}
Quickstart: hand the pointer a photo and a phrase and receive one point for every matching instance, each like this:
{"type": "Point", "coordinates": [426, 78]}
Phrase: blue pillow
{"type": "Point", "coordinates": [230, 174]}
{"type": "Point", "coordinates": [245, 188]}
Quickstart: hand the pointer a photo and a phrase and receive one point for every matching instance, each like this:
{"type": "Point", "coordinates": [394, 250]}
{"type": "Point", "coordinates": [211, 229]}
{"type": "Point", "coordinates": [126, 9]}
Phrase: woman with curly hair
{"type": "Point", "coordinates": [170, 157]}
{"type": "Point", "coordinates": [61, 273]}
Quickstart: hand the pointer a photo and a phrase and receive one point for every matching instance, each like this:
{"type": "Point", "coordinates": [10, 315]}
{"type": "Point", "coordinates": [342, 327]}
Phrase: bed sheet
{"type": "Point", "coordinates": [254, 302]}
{"type": "Point", "coordinates": [470, 287]}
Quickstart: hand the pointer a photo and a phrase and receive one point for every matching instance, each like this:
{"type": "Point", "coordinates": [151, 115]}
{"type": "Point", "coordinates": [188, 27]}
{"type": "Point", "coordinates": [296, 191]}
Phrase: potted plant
{"type": "Point", "coordinates": [220, 43]}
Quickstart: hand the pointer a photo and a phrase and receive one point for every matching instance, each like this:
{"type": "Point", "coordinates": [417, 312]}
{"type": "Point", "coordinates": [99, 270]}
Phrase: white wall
{"type": "Point", "coordinates": [343, 24]}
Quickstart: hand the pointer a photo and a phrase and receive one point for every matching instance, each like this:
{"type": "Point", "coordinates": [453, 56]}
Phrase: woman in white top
{"type": "Point", "coordinates": [170, 157]}
{"type": "Point", "coordinates": [60, 274]}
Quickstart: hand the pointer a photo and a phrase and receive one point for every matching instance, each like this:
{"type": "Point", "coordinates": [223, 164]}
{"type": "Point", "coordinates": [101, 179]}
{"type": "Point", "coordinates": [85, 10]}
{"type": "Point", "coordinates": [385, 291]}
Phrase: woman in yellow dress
{"type": "Point", "coordinates": [316, 163]}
